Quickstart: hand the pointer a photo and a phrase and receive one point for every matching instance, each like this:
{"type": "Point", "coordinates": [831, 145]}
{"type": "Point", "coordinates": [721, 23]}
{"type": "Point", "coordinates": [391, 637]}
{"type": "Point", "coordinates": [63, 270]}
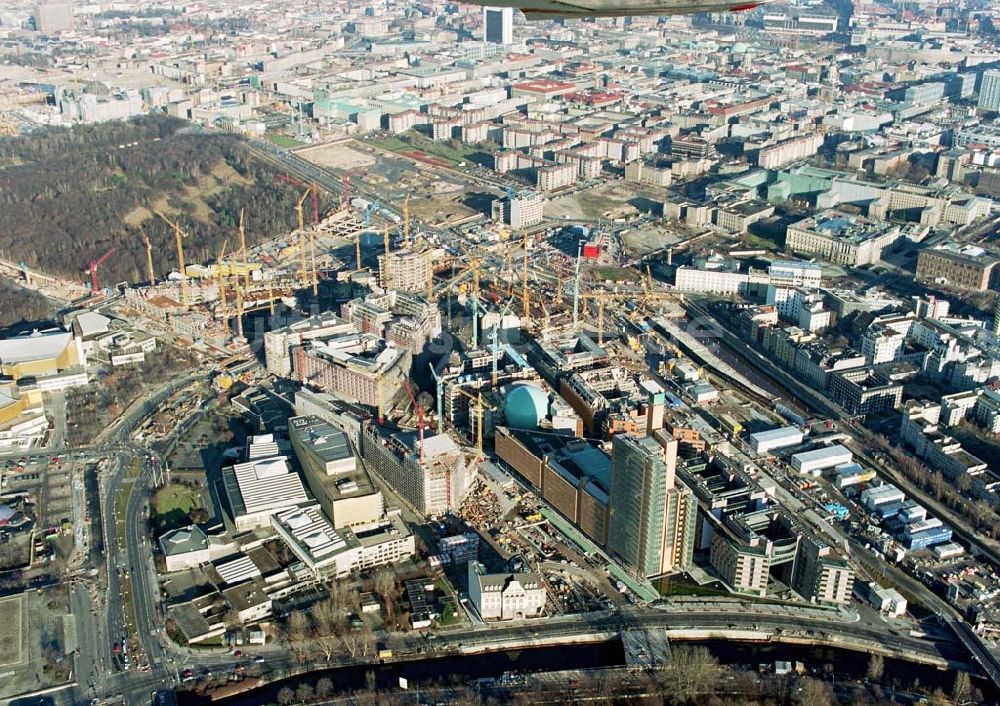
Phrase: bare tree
{"type": "Point", "coordinates": [297, 630]}
{"type": "Point", "coordinates": [814, 692]}
{"type": "Point", "coordinates": [324, 687]}
{"type": "Point", "coordinates": [385, 586]}
{"type": "Point", "coordinates": [693, 671]}
{"type": "Point", "coordinates": [286, 696]}
{"type": "Point", "coordinates": [304, 693]}
{"type": "Point", "coordinates": [329, 645]}
{"type": "Point", "coordinates": [876, 667]}
{"type": "Point", "coordinates": [961, 687]}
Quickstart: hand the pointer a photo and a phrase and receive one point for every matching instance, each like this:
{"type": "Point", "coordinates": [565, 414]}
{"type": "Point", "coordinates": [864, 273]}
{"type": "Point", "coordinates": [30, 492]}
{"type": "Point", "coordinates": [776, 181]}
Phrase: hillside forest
{"type": "Point", "coordinates": [68, 195]}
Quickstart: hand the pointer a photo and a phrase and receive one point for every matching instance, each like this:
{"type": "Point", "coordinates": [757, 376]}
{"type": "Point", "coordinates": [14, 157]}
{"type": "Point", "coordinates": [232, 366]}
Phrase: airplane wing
{"type": "Point", "coordinates": [535, 10]}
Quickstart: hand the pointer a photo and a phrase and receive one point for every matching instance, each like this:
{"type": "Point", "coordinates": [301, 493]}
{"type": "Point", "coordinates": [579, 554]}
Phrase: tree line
{"type": "Point", "coordinates": [18, 304]}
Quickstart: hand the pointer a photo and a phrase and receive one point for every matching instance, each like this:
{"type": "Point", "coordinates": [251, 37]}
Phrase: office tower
{"type": "Point", "coordinates": [498, 25]}
{"type": "Point", "coordinates": [652, 519]}
{"type": "Point", "coordinates": [656, 401]}
{"type": "Point", "coordinates": [52, 17]}
{"type": "Point", "coordinates": [989, 93]}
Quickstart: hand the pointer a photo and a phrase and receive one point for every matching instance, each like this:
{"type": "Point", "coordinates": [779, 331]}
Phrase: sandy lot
{"type": "Point", "coordinates": [336, 156]}
{"type": "Point", "coordinates": [11, 639]}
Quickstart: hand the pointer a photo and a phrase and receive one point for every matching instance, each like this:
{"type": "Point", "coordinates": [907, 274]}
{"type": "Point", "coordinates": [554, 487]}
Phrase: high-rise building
{"type": "Point", "coordinates": [519, 210]}
{"type": "Point", "coordinates": [651, 527]}
{"type": "Point", "coordinates": [52, 17]}
{"type": "Point", "coordinates": [498, 25]}
{"type": "Point", "coordinates": [989, 93]}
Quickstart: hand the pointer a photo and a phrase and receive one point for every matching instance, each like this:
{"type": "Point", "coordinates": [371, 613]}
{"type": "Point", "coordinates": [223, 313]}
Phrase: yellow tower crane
{"type": "Point", "coordinates": [601, 298]}
{"type": "Point", "coordinates": [149, 259]}
{"type": "Point", "coordinates": [239, 313]}
{"type": "Point", "coordinates": [600, 320]}
{"type": "Point", "coordinates": [303, 274]}
{"type": "Point", "coordinates": [479, 410]}
{"type": "Point", "coordinates": [179, 236]}
{"type": "Point", "coordinates": [221, 279]}
{"type": "Point", "coordinates": [243, 256]}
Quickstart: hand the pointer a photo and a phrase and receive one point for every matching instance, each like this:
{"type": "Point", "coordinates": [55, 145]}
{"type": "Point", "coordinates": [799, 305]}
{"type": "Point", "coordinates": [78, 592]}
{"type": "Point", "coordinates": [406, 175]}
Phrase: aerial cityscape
{"type": "Point", "coordinates": [432, 353]}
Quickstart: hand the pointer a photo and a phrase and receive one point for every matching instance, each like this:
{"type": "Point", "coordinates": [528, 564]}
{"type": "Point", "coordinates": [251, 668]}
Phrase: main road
{"type": "Point", "coordinates": [135, 563]}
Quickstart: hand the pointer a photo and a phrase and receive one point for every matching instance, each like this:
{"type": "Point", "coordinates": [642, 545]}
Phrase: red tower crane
{"type": "Point", "coordinates": [420, 419]}
{"type": "Point", "coordinates": [93, 265]}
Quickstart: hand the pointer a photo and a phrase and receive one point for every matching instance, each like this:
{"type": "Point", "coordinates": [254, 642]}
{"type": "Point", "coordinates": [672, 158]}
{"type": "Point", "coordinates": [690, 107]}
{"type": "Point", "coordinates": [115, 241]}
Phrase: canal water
{"type": "Point", "coordinates": [842, 664]}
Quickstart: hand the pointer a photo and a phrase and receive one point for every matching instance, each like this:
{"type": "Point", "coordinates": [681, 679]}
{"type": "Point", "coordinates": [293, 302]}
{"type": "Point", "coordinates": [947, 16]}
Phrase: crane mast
{"type": "Point", "coordinates": [303, 273]}
{"type": "Point", "coordinates": [149, 259]}
{"type": "Point", "coordinates": [179, 236]}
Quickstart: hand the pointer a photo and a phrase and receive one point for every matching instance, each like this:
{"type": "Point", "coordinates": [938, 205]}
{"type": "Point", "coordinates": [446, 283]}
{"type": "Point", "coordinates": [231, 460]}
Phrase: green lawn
{"type": "Point", "coordinates": [283, 141]}
{"type": "Point", "coordinates": [176, 497]}
{"type": "Point", "coordinates": [417, 142]}
{"type": "Point", "coordinates": [448, 606]}
{"type": "Point", "coordinates": [615, 274]}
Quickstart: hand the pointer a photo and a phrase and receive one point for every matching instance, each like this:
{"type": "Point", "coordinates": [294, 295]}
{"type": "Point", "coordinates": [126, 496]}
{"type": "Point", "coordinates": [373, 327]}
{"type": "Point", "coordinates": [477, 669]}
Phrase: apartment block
{"type": "Point", "coordinates": [406, 270]}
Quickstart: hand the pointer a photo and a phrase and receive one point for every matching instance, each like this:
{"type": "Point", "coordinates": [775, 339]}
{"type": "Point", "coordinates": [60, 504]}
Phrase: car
{"type": "Point", "coordinates": [187, 674]}
{"type": "Point", "coordinates": [259, 659]}
{"type": "Point", "coordinates": [237, 653]}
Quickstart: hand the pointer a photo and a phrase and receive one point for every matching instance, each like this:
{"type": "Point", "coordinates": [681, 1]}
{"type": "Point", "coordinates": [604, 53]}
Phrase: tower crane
{"type": "Point", "coordinates": [239, 313]}
{"type": "Point", "coordinates": [474, 266]}
{"type": "Point", "coordinates": [312, 187]}
{"type": "Point", "coordinates": [439, 398]}
{"type": "Point", "coordinates": [576, 286]}
{"type": "Point", "coordinates": [221, 279]}
{"type": "Point", "coordinates": [312, 256]}
{"type": "Point", "coordinates": [149, 258]}
{"type": "Point", "coordinates": [303, 273]}
{"type": "Point", "coordinates": [480, 407]}
{"type": "Point", "coordinates": [315, 199]}
{"type": "Point", "coordinates": [495, 338]}
{"type": "Point", "coordinates": [243, 256]}
{"type": "Point", "coordinates": [601, 298]}
{"type": "Point", "coordinates": [420, 418]}
{"type": "Point", "coordinates": [179, 236]}
{"type": "Point", "coordinates": [95, 287]}
{"type": "Point", "coordinates": [509, 271]}
{"type": "Point", "coordinates": [525, 301]}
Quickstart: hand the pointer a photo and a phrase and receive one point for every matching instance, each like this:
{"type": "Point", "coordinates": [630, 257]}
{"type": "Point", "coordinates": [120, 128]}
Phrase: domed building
{"type": "Point", "coordinates": [525, 407]}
